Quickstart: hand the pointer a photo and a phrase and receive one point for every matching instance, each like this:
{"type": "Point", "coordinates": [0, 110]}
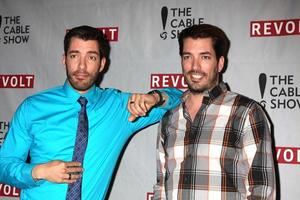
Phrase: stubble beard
{"type": "Point", "coordinates": [82, 85]}
{"type": "Point", "coordinates": [198, 88]}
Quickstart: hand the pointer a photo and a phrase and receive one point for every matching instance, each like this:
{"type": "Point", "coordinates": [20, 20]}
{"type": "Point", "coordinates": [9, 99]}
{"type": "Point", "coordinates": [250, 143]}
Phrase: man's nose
{"type": "Point", "coordinates": [82, 63]}
{"type": "Point", "coordinates": [196, 64]}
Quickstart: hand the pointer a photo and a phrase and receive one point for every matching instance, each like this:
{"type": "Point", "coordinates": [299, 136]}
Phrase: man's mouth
{"type": "Point", "coordinates": [81, 75]}
{"type": "Point", "coordinates": [196, 76]}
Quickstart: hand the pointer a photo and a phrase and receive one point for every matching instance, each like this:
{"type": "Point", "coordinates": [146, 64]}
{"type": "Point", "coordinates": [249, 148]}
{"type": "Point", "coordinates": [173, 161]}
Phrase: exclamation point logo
{"type": "Point", "coordinates": [0, 24]}
{"type": "Point", "coordinates": [262, 79]}
{"type": "Point", "coordinates": [164, 17]}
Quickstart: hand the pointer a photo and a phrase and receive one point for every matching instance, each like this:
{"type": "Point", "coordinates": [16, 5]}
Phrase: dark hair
{"type": "Point", "coordinates": [88, 33]}
{"type": "Point", "coordinates": [220, 41]}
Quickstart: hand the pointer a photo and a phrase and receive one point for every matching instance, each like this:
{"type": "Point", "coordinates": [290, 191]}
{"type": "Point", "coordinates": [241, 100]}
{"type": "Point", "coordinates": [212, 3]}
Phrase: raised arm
{"type": "Point", "coordinates": [140, 104]}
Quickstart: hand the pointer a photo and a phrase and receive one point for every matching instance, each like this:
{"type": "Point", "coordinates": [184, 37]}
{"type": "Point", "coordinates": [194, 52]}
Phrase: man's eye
{"type": "Point", "coordinates": [72, 56]}
{"type": "Point", "coordinates": [205, 57]}
{"type": "Point", "coordinates": [92, 58]}
{"type": "Point", "coordinates": [185, 57]}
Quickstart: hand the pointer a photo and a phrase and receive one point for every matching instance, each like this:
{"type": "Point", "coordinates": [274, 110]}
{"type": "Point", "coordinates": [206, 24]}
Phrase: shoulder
{"type": "Point", "coordinates": [43, 97]}
{"type": "Point", "coordinates": [247, 107]}
{"type": "Point", "coordinates": [112, 96]}
{"type": "Point", "coordinates": [47, 93]}
{"type": "Point", "coordinates": [239, 100]}
{"type": "Point", "coordinates": [113, 93]}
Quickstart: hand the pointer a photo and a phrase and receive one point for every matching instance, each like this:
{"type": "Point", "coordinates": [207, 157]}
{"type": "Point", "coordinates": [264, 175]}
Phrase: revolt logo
{"type": "Point", "coordinates": [150, 196]}
{"type": "Point", "coordinates": [175, 19]}
{"type": "Point", "coordinates": [8, 191]}
{"type": "Point", "coordinates": [275, 28]}
{"type": "Point", "coordinates": [288, 155]}
{"type": "Point", "coordinates": [111, 33]}
{"type": "Point", "coordinates": [167, 80]}
{"type": "Point", "coordinates": [16, 80]}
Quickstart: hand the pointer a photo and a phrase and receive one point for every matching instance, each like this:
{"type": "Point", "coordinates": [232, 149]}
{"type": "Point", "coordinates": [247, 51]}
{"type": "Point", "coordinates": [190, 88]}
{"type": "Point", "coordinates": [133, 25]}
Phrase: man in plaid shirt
{"type": "Point", "coordinates": [217, 144]}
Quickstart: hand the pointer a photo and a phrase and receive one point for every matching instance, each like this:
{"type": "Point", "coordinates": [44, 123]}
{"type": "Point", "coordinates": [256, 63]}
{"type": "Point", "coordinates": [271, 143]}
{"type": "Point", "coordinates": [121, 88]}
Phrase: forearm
{"type": "Point", "coordinates": [17, 173]}
{"type": "Point", "coordinates": [13, 167]}
{"type": "Point", "coordinates": [261, 177]}
{"type": "Point", "coordinates": [159, 187]}
{"type": "Point", "coordinates": [159, 192]}
{"type": "Point", "coordinates": [262, 183]}
{"type": "Point", "coordinates": [146, 109]}
{"type": "Point", "coordinates": [165, 99]}
{"type": "Point", "coordinates": [14, 151]}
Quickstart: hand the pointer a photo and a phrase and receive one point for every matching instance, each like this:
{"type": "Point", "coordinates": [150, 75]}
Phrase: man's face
{"type": "Point", "coordinates": [83, 64]}
{"type": "Point", "coordinates": [199, 64]}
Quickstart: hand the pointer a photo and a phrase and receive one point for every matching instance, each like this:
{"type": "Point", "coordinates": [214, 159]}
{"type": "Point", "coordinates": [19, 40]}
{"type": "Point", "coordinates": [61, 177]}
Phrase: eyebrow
{"type": "Point", "coordinates": [94, 52]}
{"type": "Point", "coordinates": [89, 52]}
{"type": "Point", "coordinates": [201, 53]}
{"type": "Point", "coordinates": [206, 52]}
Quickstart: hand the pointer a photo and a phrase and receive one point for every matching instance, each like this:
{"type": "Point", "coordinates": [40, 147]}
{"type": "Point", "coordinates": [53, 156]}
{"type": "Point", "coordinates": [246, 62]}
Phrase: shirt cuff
{"type": "Point", "coordinates": [27, 175]}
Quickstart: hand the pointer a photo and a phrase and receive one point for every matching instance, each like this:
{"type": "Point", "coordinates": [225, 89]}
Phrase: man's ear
{"type": "Point", "coordinates": [63, 59]}
{"type": "Point", "coordinates": [102, 64]}
{"type": "Point", "coordinates": [221, 63]}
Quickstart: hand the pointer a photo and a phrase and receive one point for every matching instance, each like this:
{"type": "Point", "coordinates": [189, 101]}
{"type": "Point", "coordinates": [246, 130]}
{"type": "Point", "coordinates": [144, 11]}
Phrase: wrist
{"type": "Point", "coordinates": [158, 96]}
{"type": "Point", "coordinates": [37, 172]}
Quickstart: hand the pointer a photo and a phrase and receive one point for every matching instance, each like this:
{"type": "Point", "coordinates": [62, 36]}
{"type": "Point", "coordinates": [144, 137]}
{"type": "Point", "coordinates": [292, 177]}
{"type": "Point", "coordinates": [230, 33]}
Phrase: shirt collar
{"type": "Point", "coordinates": [211, 94]}
{"type": "Point", "coordinates": [72, 94]}
{"type": "Point", "coordinates": [217, 90]}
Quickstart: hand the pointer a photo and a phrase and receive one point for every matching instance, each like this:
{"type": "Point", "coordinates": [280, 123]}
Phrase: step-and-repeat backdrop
{"type": "Point", "coordinates": [263, 64]}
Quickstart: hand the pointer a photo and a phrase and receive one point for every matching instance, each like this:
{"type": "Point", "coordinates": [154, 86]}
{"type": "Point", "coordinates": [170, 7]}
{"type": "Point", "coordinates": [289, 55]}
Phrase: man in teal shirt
{"type": "Point", "coordinates": [44, 126]}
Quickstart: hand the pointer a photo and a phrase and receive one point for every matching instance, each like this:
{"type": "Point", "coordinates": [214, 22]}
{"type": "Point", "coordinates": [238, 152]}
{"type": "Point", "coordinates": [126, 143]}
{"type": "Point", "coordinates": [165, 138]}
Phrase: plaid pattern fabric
{"type": "Point", "coordinates": [224, 154]}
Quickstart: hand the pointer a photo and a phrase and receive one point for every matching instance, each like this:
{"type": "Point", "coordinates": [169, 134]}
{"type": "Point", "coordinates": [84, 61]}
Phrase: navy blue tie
{"type": "Point", "coordinates": [74, 189]}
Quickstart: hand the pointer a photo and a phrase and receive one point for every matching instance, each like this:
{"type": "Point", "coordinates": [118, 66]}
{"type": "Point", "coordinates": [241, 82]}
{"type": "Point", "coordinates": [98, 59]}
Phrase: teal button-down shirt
{"type": "Point", "coordinates": [44, 126]}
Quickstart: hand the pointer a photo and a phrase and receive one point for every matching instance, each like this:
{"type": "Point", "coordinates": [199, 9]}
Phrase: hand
{"type": "Point", "coordinates": [58, 171]}
{"type": "Point", "coordinates": [139, 104]}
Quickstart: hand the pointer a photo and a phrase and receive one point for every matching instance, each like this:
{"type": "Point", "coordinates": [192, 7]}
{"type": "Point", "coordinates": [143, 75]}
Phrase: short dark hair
{"type": "Point", "coordinates": [88, 33]}
{"type": "Point", "coordinates": [220, 41]}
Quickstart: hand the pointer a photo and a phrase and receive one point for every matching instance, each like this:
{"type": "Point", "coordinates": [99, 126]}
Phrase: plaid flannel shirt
{"type": "Point", "coordinates": [224, 154]}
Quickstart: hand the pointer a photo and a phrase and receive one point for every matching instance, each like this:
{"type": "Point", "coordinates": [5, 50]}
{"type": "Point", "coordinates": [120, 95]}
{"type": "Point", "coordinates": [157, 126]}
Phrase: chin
{"type": "Point", "coordinates": [197, 90]}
